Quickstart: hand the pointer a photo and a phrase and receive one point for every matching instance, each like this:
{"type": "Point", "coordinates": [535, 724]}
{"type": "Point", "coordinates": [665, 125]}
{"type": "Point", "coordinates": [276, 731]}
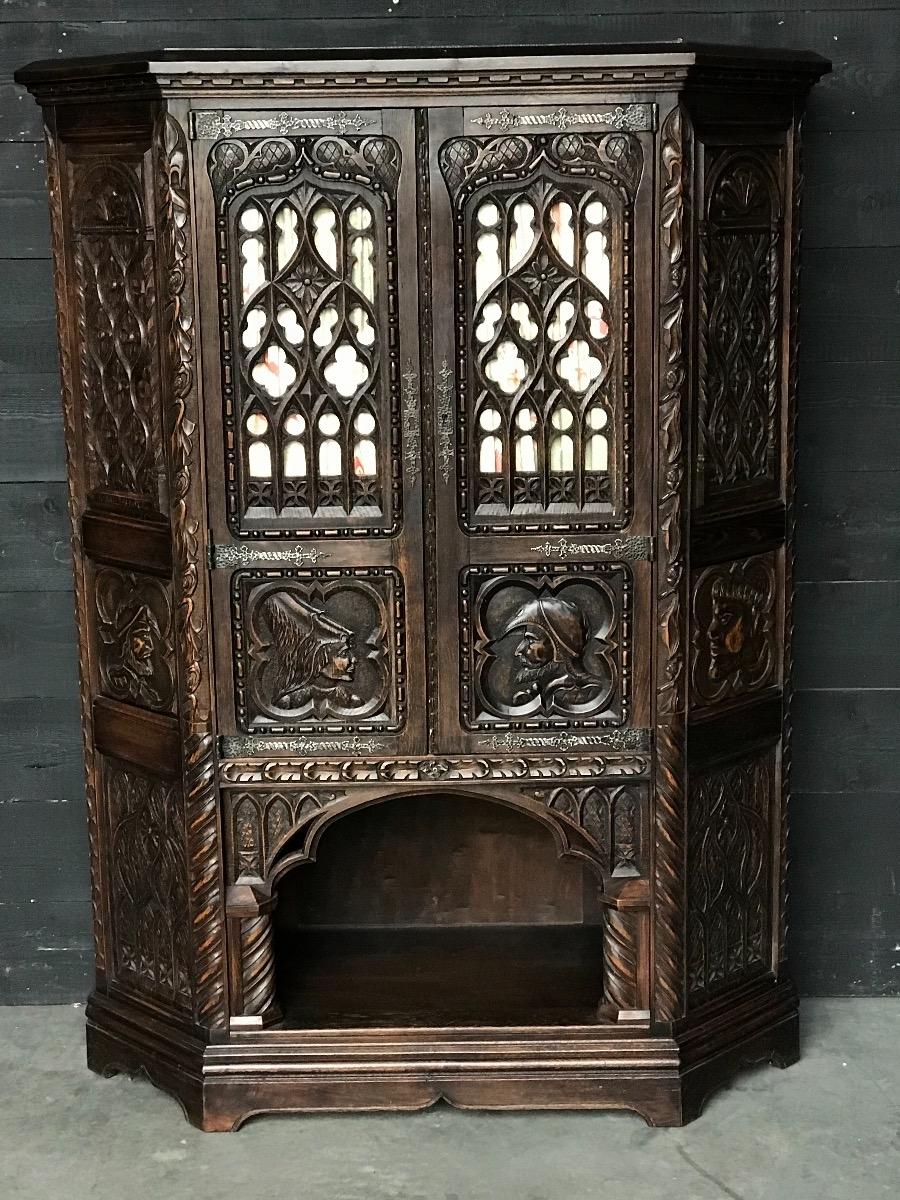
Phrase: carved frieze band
{"type": "Point", "coordinates": [218, 124]}
{"type": "Point", "coordinates": [632, 118]}
{"type": "Point", "coordinates": [464, 768]}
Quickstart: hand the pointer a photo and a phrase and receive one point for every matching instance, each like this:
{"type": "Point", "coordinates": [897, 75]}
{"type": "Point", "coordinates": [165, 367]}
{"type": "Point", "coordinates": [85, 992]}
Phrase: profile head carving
{"type": "Point", "coordinates": [315, 655]}
{"type": "Point", "coordinates": [552, 640]}
{"type": "Point", "coordinates": [736, 627]}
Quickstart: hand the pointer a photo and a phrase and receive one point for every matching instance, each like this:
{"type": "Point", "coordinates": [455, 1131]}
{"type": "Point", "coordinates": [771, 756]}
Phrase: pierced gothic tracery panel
{"type": "Point", "coordinates": [739, 324]}
{"type": "Point", "coordinates": [735, 647]}
{"type": "Point", "coordinates": [319, 651]}
{"type": "Point", "coordinates": [729, 874]}
{"type": "Point", "coordinates": [148, 884]}
{"type": "Point", "coordinates": [542, 297]}
{"type": "Point", "coordinates": [612, 818]}
{"type": "Point", "coordinates": [543, 648]}
{"type": "Point", "coordinates": [308, 244]}
{"type": "Point", "coordinates": [116, 317]}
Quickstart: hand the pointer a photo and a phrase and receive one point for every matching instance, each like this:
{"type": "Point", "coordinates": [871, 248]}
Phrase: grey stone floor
{"type": "Point", "coordinates": [828, 1129]}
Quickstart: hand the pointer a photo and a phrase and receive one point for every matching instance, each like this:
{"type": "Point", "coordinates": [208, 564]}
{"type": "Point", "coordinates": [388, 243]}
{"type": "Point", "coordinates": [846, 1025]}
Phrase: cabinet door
{"type": "Point", "coordinates": [542, 285]}
{"type": "Point", "coordinates": [311, 388]}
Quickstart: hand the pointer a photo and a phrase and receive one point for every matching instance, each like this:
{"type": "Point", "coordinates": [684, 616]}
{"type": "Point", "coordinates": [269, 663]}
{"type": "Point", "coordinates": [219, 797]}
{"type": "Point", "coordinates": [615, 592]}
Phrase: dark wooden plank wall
{"type": "Point", "coordinates": [845, 909]}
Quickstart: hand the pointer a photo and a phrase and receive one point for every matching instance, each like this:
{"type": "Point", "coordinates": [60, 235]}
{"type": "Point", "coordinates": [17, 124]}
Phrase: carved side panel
{"type": "Point", "coordinates": [320, 651]}
{"type": "Point", "coordinates": [311, 372]}
{"type": "Point", "coordinates": [543, 231]}
{"type": "Point", "coordinates": [740, 323]}
{"type": "Point", "coordinates": [134, 638]}
{"type": "Point", "coordinates": [734, 643]}
{"type": "Point", "coordinates": [115, 311]}
{"type": "Point", "coordinates": [543, 647]}
{"type": "Point", "coordinates": [729, 874]}
{"type": "Point", "coordinates": [148, 885]}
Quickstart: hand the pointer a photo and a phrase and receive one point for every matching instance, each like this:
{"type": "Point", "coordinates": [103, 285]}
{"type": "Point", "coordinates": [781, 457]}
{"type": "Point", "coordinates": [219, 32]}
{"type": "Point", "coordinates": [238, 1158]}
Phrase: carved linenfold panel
{"type": "Point", "coordinates": [429, 770]}
{"type": "Point", "coordinates": [729, 874]}
{"type": "Point", "coordinates": [543, 646]}
{"type": "Point", "coordinates": [612, 818]}
{"type": "Point", "coordinates": [148, 885]}
{"type": "Point", "coordinates": [259, 822]}
{"type": "Point", "coordinates": [115, 311]}
{"type": "Point", "coordinates": [311, 373]}
{"type": "Point", "coordinates": [319, 650]}
{"type": "Point", "coordinates": [135, 650]}
{"type": "Point", "coordinates": [740, 347]}
{"type": "Point", "coordinates": [735, 649]}
{"type": "Point", "coordinates": [543, 295]}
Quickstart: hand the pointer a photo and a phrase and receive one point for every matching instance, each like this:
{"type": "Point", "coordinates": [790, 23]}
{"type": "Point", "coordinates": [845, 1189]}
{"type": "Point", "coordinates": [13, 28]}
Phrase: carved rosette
{"type": "Point", "coordinates": [189, 578]}
{"type": "Point", "coordinates": [671, 582]}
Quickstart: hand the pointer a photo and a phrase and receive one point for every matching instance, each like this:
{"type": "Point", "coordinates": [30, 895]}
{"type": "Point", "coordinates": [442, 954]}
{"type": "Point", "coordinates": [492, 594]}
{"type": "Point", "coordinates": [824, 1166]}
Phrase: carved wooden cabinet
{"type": "Point", "coordinates": [430, 437]}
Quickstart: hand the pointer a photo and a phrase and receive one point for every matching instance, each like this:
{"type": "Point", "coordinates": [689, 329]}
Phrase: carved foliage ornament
{"type": "Point", "coordinates": [734, 641]}
{"type": "Point", "coordinates": [134, 638]}
{"type": "Point", "coordinates": [318, 649]}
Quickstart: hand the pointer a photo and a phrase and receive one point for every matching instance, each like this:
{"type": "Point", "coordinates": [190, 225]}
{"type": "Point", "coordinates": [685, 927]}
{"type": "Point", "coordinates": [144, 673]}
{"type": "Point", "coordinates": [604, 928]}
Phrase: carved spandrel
{"type": "Point", "coordinates": [135, 652]}
{"type": "Point", "coordinates": [612, 818]}
{"type": "Point", "coordinates": [259, 823]}
{"type": "Point", "coordinates": [543, 646]}
{"type": "Point", "coordinates": [734, 644]}
{"type": "Point", "coordinates": [319, 651]}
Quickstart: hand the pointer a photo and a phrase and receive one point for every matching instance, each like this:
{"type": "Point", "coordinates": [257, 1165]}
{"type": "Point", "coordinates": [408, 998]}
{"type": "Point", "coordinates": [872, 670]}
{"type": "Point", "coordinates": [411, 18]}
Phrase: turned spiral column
{"type": "Point", "coordinates": [251, 953]}
{"type": "Point", "coordinates": [624, 982]}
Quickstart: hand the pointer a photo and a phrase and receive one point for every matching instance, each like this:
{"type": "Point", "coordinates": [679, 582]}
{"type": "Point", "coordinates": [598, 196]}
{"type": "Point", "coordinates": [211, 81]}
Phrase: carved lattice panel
{"type": "Point", "coordinates": [729, 874]}
{"type": "Point", "coordinates": [735, 636]}
{"type": "Point", "coordinates": [319, 651]}
{"type": "Point", "coordinates": [543, 648]}
{"type": "Point", "coordinates": [543, 228]}
{"type": "Point", "coordinates": [148, 884]}
{"type": "Point", "coordinates": [307, 246]}
{"type": "Point", "coordinates": [134, 638]}
{"type": "Point", "coordinates": [740, 325]}
{"type": "Point", "coordinates": [115, 306]}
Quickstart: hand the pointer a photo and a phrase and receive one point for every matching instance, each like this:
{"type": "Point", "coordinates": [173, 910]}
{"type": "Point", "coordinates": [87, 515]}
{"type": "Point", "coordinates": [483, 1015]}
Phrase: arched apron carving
{"type": "Point", "coordinates": [574, 816]}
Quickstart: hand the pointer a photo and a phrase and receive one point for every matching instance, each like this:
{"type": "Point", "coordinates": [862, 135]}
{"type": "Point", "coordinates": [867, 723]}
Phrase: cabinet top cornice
{"type": "Point", "coordinates": [655, 64]}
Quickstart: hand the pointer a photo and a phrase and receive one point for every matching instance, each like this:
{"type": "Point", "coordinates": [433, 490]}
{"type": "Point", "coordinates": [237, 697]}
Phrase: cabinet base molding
{"type": "Point", "coordinates": [666, 1079]}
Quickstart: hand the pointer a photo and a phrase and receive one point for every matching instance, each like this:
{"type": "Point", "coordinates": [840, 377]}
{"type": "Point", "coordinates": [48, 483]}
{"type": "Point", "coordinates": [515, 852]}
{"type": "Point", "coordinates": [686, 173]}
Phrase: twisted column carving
{"type": "Point", "coordinates": [258, 965]}
{"type": "Point", "coordinates": [251, 953]}
{"type": "Point", "coordinates": [669, 836]}
{"type": "Point", "coordinates": [621, 956]}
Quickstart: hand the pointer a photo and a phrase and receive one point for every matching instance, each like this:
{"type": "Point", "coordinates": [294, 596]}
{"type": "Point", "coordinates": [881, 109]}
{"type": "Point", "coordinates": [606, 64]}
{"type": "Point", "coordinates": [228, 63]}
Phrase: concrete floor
{"type": "Point", "coordinates": [827, 1129]}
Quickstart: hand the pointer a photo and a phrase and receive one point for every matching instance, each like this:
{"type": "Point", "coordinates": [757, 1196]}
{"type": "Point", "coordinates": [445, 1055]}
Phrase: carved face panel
{"type": "Point", "coordinates": [317, 648]}
{"type": "Point", "coordinates": [734, 634]}
{"type": "Point", "coordinates": [544, 647]}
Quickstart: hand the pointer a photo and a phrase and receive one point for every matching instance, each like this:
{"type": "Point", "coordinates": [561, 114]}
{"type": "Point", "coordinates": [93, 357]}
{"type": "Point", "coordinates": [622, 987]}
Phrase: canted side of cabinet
{"type": "Point", "coordinates": [122, 243]}
{"type": "Point", "coordinates": [430, 441]}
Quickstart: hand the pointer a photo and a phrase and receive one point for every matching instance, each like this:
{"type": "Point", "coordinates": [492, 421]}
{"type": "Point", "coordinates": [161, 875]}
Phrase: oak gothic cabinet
{"type": "Point", "coordinates": [430, 439]}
